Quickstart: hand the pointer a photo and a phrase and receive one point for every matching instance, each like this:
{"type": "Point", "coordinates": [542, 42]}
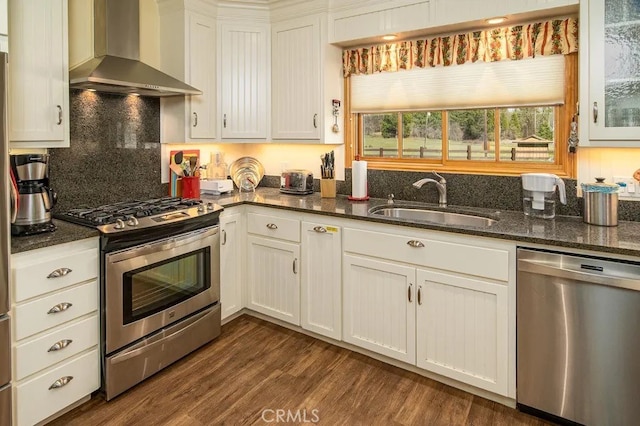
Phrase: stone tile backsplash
{"type": "Point", "coordinates": [115, 151]}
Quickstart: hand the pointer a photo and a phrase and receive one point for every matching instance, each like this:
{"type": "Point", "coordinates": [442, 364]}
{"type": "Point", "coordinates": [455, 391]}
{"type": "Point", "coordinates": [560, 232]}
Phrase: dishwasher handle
{"type": "Point", "coordinates": [544, 268]}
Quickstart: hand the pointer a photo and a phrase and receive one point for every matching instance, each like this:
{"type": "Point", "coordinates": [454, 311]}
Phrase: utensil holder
{"type": "Point", "coordinates": [328, 188]}
{"type": "Point", "coordinates": [191, 187]}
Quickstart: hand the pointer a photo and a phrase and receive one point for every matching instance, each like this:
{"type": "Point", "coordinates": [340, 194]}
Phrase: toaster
{"type": "Point", "coordinates": [296, 182]}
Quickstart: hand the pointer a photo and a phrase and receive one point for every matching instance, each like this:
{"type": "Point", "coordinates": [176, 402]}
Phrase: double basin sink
{"type": "Point", "coordinates": [432, 216]}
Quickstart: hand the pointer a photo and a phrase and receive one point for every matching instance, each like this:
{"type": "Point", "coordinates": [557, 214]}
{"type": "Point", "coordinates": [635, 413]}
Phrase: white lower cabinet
{"type": "Point", "coordinates": [44, 395]}
{"type": "Point", "coordinates": [461, 329]}
{"type": "Point", "coordinates": [274, 279]}
{"type": "Point", "coordinates": [56, 329]}
{"type": "Point", "coordinates": [231, 250]}
{"type": "Point", "coordinates": [451, 323]}
{"type": "Point", "coordinates": [379, 312]}
{"type": "Point", "coordinates": [321, 285]}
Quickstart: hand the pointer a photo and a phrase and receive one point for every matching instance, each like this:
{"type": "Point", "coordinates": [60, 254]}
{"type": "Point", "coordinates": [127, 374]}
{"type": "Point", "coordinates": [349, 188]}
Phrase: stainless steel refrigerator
{"type": "Point", "coordinates": [5, 252]}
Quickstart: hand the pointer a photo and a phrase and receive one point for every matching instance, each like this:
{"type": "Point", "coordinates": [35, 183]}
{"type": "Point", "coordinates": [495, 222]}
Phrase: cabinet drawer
{"type": "Point", "coordinates": [54, 347]}
{"type": "Point", "coordinates": [449, 256]}
{"type": "Point", "coordinates": [35, 401]}
{"type": "Point", "coordinates": [34, 317]}
{"type": "Point", "coordinates": [31, 279]}
{"type": "Point", "coordinates": [274, 226]}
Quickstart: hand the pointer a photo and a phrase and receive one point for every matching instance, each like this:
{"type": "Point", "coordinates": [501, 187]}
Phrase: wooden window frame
{"type": "Point", "coordinates": [565, 164]}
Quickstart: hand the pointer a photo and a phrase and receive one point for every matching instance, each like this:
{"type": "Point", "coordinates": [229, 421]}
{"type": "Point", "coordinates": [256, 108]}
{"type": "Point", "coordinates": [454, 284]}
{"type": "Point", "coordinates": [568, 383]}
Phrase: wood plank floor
{"type": "Point", "coordinates": [256, 366]}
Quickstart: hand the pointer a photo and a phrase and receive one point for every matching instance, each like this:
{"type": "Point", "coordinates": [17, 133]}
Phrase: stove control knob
{"type": "Point", "coordinates": [132, 221]}
{"type": "Point", "coordinates": [119, 224]}
{"type": "Point", "coordinates": [200, 208]}
{"type": "Point", "coordinates": [209, 206]}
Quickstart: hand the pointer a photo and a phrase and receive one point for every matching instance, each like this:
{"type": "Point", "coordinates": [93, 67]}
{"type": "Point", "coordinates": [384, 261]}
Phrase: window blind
{"type": "Point", "coordinates": [530, 82]}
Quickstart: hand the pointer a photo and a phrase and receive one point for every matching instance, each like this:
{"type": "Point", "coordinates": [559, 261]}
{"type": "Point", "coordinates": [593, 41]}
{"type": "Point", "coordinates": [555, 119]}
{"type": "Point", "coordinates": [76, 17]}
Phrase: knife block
{"type": "Point", "coordinates": [328, 188]}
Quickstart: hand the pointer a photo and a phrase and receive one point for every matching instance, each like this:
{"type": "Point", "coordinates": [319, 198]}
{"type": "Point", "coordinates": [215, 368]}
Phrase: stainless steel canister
{"type": "Point", "coordinates": [600, 203]}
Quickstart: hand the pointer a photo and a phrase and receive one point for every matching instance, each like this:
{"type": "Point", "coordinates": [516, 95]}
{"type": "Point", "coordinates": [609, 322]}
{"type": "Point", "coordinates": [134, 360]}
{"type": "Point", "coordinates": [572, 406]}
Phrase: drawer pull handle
{"type": "Point", "coordinates": [62, 381]}
{"type": "Point", "coordinates": [272, 226]}
{"type": "Point", "coordinates": [60, 307]}
{"type": "Point", "coordinates": [60, 272]}
{"type": "Point", "coordinates": [415, 243]}
{"type": "Point", "coordinates": [60, 345]}
{"type": "Point", "coordinates": [320, 229]}
{"type": "Point", "coordinates": [419, 295]}
{"type": "Point", "coordinates": [295, 265]}
{"type": "Point", "coordinates": [224, 237]}
{"type": "Point", "coordinates": [315, 121]}
{"type": "Point", "coordinates": [595, 112]}
{"type": "Point", "coordinates": [59, 122]}
{"type": "Point", "coordinates": [195, 119]}
{"type": "Point", "coordinates": [410, 292]}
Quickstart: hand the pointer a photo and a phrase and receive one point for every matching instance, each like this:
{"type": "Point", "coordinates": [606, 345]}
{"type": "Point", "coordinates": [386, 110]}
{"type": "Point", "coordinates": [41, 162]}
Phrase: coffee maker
{"type": "Point", "coordinates": [32, 210]}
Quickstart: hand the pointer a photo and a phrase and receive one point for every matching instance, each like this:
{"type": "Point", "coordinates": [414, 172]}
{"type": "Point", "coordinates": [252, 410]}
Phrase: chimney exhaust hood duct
{"type": "Point", "coordinates": [116, 67]}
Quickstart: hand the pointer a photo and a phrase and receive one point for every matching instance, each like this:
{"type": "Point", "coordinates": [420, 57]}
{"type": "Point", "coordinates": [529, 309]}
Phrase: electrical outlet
{"type": "Point", "coordinates": [629, 188]}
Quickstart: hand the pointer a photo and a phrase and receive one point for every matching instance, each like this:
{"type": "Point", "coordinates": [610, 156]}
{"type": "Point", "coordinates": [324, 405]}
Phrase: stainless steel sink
{"type": "Point", "coordinates": [420, 214]}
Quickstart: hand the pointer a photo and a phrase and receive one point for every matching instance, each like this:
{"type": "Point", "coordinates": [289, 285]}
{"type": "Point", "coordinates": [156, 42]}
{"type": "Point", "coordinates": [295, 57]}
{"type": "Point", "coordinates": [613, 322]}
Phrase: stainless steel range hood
{"type": "Point", "coordinates": [116, 67]}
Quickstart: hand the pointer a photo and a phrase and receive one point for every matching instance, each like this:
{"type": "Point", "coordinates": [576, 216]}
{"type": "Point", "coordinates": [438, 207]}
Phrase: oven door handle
{"type": "Point", "coordinates": [163, 340]}
{"type": "Point", "coordinates": [164, 245]}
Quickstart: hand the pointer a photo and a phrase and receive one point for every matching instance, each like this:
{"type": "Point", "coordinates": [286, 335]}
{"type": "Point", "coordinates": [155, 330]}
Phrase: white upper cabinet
{"type": "Point", "coordinates": [244, 80]}
{"type": "Point", "coordinates": [356, 24]}
{"type": "Point", "coordinates": [368, 22]}
{"type": "Point", "coordinates": [39, 74]}
{"type": "Point", "coordinates": [610, 73]}
{"type": "Point", "coordinates": [187, 47]}
{"type": "Point", "coordinates": [306, 75]}
{"type": "Point", "coordinates": [4, 26]}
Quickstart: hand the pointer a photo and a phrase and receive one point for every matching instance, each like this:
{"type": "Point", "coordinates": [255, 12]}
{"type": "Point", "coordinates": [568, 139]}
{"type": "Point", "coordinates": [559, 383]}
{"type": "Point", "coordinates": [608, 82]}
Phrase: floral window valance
{"type": "Point", "coordinates": [559, 36]}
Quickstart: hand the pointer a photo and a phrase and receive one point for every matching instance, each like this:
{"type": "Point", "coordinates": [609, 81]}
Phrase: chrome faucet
{"type": "Point", "coordinates": [441, 184]}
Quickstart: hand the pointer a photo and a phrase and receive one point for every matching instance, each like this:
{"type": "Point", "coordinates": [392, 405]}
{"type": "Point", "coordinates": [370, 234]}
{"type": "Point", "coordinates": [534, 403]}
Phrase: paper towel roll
{"type": "Point", "coordinates": [359, 179]}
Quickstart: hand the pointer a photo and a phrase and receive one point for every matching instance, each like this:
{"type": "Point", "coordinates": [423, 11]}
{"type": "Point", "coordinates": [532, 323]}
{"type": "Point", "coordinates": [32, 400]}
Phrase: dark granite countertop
{"type": "Point", "coordinates": [65, 233]}
{"type": "Point", "coordinates": [563, 231]}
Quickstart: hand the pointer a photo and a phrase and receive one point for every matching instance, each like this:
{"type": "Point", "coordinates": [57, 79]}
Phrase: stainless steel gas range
{"type": "Point", "coordinates": [160, 284]}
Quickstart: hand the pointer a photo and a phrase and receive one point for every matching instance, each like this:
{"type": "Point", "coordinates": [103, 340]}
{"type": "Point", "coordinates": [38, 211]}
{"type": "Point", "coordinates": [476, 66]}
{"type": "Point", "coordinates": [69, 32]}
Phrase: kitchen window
{"type": "Point", "coordinates": [522, 134]}
{"type": "Point", "coordinates": [410, 109]}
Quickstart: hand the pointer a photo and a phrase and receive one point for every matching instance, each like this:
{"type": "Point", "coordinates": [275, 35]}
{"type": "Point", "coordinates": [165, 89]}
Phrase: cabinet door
{"type": "Point", "coordinates": [230, 264]}
{"type": "Point", "coordinates": [274, 278]}
{"type": "Point", "coordinates": [295, 79]}
{"type": "Point", "coordinates": [321, 300]}
{"type": "Point", "coordinates": [39, 75]}
{"type": "Point", "coordinates": [244, 81]}
{"type": "Point", "coordinates": [614, 69]}
{"type": "Point", "coordinates": [202, 76]}
{"type": "Point", "coordinates": [462, 329]}
{"type": "Point", "coordinates": [378, 310]}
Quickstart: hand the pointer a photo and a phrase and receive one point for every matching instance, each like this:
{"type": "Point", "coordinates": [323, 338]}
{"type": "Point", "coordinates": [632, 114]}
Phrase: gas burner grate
{"type": "Point", "coordinates": [110, 213]}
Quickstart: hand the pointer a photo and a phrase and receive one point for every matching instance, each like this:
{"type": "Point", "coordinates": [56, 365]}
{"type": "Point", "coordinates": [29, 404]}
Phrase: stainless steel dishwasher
{"type": "Point", "coordinates": [578, 337]}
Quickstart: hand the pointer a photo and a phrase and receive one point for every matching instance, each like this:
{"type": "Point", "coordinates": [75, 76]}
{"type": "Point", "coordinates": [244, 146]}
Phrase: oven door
{"type": "Point", "coordinates": [150, 286]}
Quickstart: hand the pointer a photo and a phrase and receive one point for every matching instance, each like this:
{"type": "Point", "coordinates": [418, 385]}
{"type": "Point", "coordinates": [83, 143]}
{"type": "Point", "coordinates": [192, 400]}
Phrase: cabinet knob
{"type": "Point", "coordinates": [59, 115]}
{"type": "Point", "coordinates": [272, 226]}
{"type": "Point", "coordinates": [60, 307]}
{"type": "Point", "coordinates": [320, 229]}
{"type": "Point", "coordinates": [62, 381]}
{"type": "Point", "coordinates": [60, 272]}
{"type": "Point", "coordinates": [595, 112]}
{"type": "Point", "coordinates": [195, 119]}
{"type": "Point", "coordinates": [415, 243]}
{"type": "Point", "coordinates": [60, 345]}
